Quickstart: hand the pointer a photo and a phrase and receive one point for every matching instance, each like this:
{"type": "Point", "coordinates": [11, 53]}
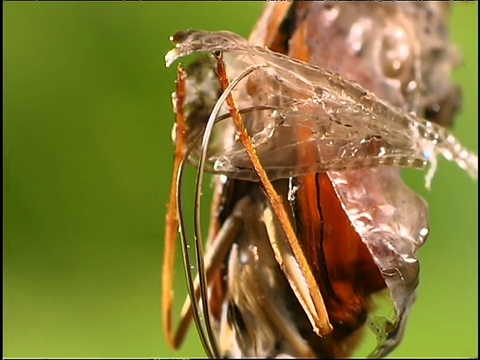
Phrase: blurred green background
{"type": "Point", "coordinates": [87, 160]}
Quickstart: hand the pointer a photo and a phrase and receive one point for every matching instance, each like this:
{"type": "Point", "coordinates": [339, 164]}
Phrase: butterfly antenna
{"type": "Point", "coordinates": [198, 186]}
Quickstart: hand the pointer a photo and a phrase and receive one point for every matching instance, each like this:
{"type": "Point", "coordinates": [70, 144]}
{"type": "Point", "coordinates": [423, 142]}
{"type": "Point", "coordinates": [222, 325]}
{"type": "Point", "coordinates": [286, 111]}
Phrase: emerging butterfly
{"type": "Point", "coordinates": [311, 222]}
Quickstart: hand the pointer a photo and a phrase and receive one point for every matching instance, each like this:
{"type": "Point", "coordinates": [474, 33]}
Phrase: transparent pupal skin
{"type": "Point", "coordinates": [312, 105]}
{"type": "Point", "coordinates": [404, 50]}
{"type": "Point", "coordinates": [348, 127]}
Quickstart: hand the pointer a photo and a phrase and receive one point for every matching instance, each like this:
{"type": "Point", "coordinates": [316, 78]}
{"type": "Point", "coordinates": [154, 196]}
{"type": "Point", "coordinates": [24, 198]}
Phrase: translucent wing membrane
{"type": "Point", "coordinates": [304, 119]}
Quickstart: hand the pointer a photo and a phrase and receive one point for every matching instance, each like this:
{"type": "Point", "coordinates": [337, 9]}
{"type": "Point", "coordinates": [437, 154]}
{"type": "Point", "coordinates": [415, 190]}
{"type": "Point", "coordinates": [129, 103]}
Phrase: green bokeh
{"type": "Point", "coordinates": [87, 167]}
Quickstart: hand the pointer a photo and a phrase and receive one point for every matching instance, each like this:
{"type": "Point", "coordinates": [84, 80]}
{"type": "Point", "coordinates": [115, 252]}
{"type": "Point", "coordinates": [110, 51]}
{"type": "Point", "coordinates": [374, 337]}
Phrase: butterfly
{"type": "Point", "coordinates": [311, 223]}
